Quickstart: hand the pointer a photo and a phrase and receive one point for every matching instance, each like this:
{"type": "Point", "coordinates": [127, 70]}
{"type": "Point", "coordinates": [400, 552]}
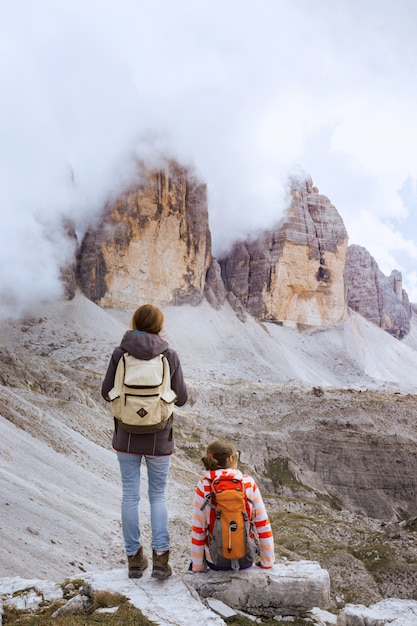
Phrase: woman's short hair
{"type": "Point", "coordinates": [148, 318]}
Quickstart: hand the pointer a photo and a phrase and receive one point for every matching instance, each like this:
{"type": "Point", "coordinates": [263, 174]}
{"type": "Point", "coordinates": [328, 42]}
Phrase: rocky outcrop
{"type": "Point", "coordinates": [293, 274]}
{"type": "Point", "coordinates": [214, 289]}
{"type": "Point", "coordinates": [379, 298]}
{"type": "Point", "coordinates": [289, 588]}
{"type": "Point", "coordinates": [357, 468]}
{"type": "Point", "coordinates": [33, 596]}
{"type": "Point", "coordinates": [392, 611]}
{"type": "Point", "coordinates": [81, 603]}
{"type": "Point", "coordinates": [68, 273]}
{"type": "Point", "coordinates": [152, 245]}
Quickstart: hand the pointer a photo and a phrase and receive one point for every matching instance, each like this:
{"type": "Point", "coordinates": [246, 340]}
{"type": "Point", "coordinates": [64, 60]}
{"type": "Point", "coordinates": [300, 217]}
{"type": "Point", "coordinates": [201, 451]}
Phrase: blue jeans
{"type": "Point", "coordinates": [158, 468]}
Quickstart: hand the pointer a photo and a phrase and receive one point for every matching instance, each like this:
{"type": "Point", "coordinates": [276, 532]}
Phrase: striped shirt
{"type": "Point", "coordinates": [201, 519]}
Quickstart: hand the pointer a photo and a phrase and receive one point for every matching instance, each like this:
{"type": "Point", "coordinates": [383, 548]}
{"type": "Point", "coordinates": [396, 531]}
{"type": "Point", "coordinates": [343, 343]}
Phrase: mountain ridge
{"type": "Point", "coordinates": [153, 244]}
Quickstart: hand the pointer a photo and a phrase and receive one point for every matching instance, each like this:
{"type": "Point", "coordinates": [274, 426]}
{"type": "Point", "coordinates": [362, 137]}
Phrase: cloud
{"type": "Point", "coordinates": [244, 92]}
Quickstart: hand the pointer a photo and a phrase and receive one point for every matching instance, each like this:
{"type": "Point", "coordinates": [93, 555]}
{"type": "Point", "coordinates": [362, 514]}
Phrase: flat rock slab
{"type": "Point", "coordinates": [166, 602]}
{"type": "Point", "coordinates": [289, 588]}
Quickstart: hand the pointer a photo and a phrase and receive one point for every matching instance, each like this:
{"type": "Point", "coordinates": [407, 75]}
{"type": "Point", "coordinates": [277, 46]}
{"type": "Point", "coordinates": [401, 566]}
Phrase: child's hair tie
{"type": "Point", "coordinates": [210, 455]}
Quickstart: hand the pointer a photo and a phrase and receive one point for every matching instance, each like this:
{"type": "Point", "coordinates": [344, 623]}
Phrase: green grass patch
{"type": "Point", "coordinates": [375, 557]}
{"type": "Point", "coordinates": [279, 472]}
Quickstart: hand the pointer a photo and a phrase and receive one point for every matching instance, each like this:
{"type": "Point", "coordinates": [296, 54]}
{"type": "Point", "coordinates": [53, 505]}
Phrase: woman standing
{"type": "Point", "coordinates": [143, 341]}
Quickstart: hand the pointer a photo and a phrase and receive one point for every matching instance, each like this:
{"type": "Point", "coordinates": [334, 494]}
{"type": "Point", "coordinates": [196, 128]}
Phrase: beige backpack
{"type": "Point", "coordinates": [142, 398]}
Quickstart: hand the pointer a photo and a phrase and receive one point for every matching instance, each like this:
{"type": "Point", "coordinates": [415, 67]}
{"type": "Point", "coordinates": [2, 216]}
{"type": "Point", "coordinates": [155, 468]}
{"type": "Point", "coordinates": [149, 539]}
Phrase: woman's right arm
{"type": "Point", "coordinates": [108, 382]}
{"type": "Point", "coordinates": [264, 530]}
{"type": "Point", "coordinates": [199, 530]}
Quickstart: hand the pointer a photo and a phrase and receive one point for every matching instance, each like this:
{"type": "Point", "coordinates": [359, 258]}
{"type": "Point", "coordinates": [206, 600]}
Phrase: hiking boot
{"type": "Point", "coordinates": [137, 564]}
{"type": "Point", "coordinates": [161, 567]}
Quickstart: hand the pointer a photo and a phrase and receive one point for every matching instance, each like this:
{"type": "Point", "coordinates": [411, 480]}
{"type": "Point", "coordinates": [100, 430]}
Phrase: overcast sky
{"type": "Point", "coordinates": [247, 92]}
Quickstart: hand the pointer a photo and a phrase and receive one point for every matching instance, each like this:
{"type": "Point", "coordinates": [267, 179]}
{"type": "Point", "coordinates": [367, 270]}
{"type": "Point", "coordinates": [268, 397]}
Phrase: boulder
{"type": "Point", "coordinates": [391, 611]}
{"type": "Point", "coordinates": [289, 588]}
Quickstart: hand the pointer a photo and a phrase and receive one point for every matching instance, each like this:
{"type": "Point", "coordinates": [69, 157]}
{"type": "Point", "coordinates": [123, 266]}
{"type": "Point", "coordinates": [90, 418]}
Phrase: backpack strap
{"type": "Point", "coordinates": [206, 502]}
{"type": "Point", "coordinates": [167, 393]}
{"type": "Point", "coordinates": [118, 378]}
{"type": "Point", "coordinates": [219, 527]}
{"type": "Point", "coordinates": [208, 496]}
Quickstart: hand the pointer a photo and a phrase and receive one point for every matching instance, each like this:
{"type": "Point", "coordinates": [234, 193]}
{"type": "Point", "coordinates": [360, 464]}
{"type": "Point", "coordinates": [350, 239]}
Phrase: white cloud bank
{"type": "Point", "coordinates": [246, 92]}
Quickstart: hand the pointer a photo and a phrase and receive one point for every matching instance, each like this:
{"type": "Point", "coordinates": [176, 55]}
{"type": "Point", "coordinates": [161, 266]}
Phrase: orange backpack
{"type": "Point", "coordinates": [230, 538]}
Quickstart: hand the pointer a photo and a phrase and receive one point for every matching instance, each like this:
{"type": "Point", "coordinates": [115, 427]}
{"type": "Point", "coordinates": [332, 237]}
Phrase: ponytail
{"type": "Point", "coordinates": [217, 454]}
{"type": "Point", "coordinates": [210, 462]}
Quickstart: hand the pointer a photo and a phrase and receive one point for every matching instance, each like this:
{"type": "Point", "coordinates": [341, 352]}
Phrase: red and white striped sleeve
{"type": "Point", "coordinates": [261, 522]}
{"type": "Point", "coordinates": [199, 526]}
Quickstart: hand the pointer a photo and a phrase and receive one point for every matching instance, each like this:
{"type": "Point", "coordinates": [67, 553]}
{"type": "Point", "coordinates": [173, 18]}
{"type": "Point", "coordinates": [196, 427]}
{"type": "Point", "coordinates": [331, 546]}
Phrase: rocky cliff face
{"type": "Point", "coordinates": [379, 298]}
{"type": "Point", "coordinates": [358, 468]}
{"type": "Point", "coordinates": [293, 274]}
{"type": "Point", "coordinates": [152, 245]}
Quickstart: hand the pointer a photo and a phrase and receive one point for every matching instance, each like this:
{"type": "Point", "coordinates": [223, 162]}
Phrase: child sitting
{"type": "Point", "coordinates": [220, 461]}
